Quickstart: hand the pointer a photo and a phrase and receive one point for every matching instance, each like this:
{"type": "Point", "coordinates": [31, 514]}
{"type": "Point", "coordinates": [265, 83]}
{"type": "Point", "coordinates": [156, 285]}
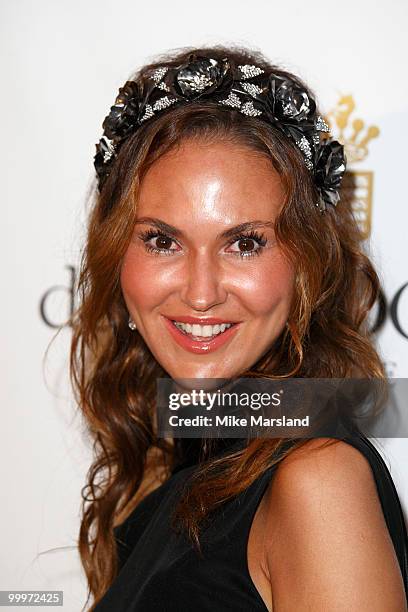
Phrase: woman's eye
{"type": "Point", "coordinates": [158, 243]}
{"type": "Point", "coordinates": [249, 245]}
{"type": "Point", "coordinates": [162, 242]}
{"type": "Point", "coordinates": [246, 246]}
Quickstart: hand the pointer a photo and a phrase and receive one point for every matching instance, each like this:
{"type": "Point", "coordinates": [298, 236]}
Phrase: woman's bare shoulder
{"type": "Point", "coordinates": [319, 454]}
{"type": "Point", "coordinates": [327, 545]}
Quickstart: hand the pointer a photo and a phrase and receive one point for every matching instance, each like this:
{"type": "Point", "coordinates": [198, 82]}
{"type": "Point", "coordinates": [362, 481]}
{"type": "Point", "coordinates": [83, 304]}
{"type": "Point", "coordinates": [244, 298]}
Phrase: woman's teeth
{"type": "Point", "coordinates": [202, 331]}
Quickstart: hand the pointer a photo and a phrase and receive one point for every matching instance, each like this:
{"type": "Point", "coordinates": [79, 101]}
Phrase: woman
{"type": "Point", "coordinates": [218, 246]}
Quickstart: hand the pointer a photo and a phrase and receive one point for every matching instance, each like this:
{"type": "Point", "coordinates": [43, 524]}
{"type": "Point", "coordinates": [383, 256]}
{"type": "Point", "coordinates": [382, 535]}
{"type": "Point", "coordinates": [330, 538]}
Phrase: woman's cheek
{"type": "Point", "coordinates": [269, 283]}
{"type": "Point", "coordinates": [144, 279]}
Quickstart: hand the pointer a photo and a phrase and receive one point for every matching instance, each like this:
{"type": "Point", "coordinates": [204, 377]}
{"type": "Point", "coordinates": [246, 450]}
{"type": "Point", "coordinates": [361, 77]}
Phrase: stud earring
{"type": "Point", "coordinates": [131, 324]}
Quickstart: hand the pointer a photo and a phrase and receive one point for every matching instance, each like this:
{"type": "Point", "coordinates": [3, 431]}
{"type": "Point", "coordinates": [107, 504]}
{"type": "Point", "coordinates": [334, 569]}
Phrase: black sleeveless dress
{"type": "Point", "coordinates": [160, 571]}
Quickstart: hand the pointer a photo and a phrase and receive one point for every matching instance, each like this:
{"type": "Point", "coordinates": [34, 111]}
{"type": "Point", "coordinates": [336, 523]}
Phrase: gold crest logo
{"type": "Point", "coordinates": [355, 136]}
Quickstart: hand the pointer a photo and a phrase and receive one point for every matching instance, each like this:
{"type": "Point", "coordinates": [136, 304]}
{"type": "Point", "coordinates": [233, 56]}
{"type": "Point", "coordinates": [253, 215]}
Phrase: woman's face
{"type": "Point", "coordinates": [203, 254]}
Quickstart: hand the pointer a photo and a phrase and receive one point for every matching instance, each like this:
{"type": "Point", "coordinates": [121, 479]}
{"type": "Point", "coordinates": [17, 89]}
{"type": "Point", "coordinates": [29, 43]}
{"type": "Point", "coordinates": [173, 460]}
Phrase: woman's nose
{"type": "Point", "coordinates": [202, 285]}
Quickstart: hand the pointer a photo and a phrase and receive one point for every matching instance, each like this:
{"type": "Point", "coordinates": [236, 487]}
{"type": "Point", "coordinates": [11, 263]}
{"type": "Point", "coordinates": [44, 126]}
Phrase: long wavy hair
{"type": "Point", "coordinates": [112, 370]}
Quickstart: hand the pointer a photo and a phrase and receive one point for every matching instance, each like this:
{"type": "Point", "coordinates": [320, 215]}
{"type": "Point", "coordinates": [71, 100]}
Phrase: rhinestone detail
{"type": "Point", "coordinates": [159, 73]}
{"type": "Point", "coordinates": [163, 102]}
{"type": "Point", "coordinates": [162, 85]}
{"type": "Point", "coordinates": [232, 100]}
{"type": "Point", "coordinates": [251, 88]}
{"type": "Point", "coordinates": [305, 147]}
{"type": "Point", "coordinates": [321, 125]}
{"type": "Point", "coordinates": [111, 150]}
{"type": "Point", "coordinates": [249, 71]}
{"type": "Point", "coordinates": [249, 109]}
{"type": "Point", "coordinates": [148, 113]}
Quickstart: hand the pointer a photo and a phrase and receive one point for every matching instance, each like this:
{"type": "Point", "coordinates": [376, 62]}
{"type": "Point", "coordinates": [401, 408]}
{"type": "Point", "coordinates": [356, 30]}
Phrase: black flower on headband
{"type": "Point", "coordinates": [201, 76]}
{"type": "Point", "coordinates": [123, 114]}
{"type": "Point", "coordinates": [289, 103]}
{"type": "Point", "coordinates": [120, 122]}
{"type": "Point", "coordinates": [330, 165]}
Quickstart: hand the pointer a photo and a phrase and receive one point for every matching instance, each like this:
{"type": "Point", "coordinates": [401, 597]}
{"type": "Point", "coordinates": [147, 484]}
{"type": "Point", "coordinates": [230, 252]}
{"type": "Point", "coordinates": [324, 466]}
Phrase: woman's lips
{"type": "Point", "coordinates": [200, 346]}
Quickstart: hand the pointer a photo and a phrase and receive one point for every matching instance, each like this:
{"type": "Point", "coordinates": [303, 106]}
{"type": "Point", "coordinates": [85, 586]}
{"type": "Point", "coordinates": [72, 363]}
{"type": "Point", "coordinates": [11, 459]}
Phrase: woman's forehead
{"type": "Point", "coordinates": [211, 180]}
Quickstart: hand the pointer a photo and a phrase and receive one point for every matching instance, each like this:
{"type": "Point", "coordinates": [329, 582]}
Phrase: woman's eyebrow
{"type": "Point", "coordinates": [177, 233]}
{"type": "Point", "coordinates": [162, 225]}
{"type": "Point", "coordinates": [245, 227]}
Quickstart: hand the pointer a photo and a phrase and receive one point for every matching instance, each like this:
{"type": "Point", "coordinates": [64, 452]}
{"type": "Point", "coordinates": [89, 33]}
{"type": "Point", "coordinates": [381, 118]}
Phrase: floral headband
{"type": "Point", "coordinates": [276, 100]}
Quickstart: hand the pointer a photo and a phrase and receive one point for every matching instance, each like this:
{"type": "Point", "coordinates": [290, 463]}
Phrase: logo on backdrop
{"type": "Point", "coordinates": [59, 300]}
{"type": "Point", "coordinates": [353, 133]}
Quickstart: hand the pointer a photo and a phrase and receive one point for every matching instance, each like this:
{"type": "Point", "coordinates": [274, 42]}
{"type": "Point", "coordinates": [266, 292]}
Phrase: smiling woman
{"type": "Point", "coordinates": [219, 246]}
{"type": "Point", "coordinates": [205, 232]}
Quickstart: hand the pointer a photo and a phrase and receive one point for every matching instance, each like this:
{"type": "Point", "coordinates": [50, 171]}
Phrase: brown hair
{"type": "Point", "coordinates": [112, 370]}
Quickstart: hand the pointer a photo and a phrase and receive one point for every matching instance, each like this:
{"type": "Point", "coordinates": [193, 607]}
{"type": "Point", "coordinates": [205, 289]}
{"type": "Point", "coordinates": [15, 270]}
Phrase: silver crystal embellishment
{"type": "Point", "coordinates": [111, 150]}
{"type": "Point", "coordinates": [248, 71]}
{"type": "Point", "coordinates": [321, 125]}
{"type": "Point", "coordinates": [232, 100]}
{"type": "Point", "coordinates": [162, 85]}
{"type": "Point", "coordinates": [148, 113]}
{"type": "Point", "coordinates": [316, 138]}
{"type": "Point", "coordinates": [305, 147]}
{"type": "Point", "coordinates": [163, 102]}
{"type": "Point", "coordinates": [250, 88]}
{"type": "Point", "coordinates": [159, 73]}
{"type": "Point", "coordinates": [249, 109]}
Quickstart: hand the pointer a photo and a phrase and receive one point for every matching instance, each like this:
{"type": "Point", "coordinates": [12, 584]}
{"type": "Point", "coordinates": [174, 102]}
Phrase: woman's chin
{"type": "Point", "coordinates": [206, 378]}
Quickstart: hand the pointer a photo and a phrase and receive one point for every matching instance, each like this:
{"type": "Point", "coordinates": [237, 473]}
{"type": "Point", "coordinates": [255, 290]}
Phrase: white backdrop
{"type": "Point", "coordinates": [62, 64]}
